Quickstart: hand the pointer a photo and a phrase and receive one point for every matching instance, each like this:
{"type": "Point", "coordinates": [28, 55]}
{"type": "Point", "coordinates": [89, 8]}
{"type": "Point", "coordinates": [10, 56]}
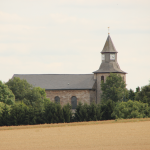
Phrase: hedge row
{"type": "Point", "coordinates": [21, 114]}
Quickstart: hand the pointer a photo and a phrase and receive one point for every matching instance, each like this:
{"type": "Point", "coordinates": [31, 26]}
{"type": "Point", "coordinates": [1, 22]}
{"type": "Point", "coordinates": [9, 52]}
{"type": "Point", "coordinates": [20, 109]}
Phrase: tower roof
{"type": "Point", "coordinates": [109, 67]}
{"type": "Point", "coordinates": [107, 64]}
{"type": "Point", "coordinates": [109, 46]}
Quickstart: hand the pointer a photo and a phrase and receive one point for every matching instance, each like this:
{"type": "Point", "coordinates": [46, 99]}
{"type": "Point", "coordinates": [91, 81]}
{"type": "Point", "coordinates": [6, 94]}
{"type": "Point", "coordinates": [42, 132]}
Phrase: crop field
{"type": "Point", "coordinates": [132, 134]}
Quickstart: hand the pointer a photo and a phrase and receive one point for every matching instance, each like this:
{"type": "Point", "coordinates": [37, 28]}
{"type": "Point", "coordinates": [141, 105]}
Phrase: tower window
{"type": "Point", "coordinates": [102, 78]}
{"type": "Point", "coordinates": [74, 102]}
{"type": "Point", "coordinates": [57, 99]}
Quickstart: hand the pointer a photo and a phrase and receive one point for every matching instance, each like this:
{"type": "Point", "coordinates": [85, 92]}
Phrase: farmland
{"type": "Point", "coordinates": [133, 134]}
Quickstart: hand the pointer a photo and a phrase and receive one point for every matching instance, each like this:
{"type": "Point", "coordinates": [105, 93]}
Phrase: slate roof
{"type": "Point", "coordinates": [109, 46]}
{"type": "Point", "coordinates": [109, 67]}
{"type": "Point", "coordinates": [59, 81]}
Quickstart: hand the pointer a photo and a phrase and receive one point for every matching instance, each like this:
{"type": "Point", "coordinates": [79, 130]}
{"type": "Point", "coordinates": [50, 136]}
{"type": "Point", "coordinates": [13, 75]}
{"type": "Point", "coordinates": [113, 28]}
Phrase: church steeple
{"type": "Point", "coordinates": [109, 46]}
{"type": "Point", "coordinates": [109, 59]}
{"type": "Point", "coordinates": [108, 65]}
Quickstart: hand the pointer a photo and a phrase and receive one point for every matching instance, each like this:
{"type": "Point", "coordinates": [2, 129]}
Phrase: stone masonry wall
{"type": "Point", "coordinates": [92, 96]}
{"type": "Point", "coordinates": [99, 92]}
{"type": "Point", "coordinates": [65, 95]}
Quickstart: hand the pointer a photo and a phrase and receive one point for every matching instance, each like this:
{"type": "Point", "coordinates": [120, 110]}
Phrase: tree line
{"type": "Point", "coordinates": [23, 104]}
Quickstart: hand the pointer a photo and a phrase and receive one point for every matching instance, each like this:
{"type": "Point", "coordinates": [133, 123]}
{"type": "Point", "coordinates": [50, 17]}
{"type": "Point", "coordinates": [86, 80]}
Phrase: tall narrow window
{"type": "Point", "coordinates": [102, 78]}
{"type": "Point", "coordinates": [123, 78]}
{"type": "Point", "coordinates": [73, 102]}
{"type": "Point", "coordinates": [57, 99]}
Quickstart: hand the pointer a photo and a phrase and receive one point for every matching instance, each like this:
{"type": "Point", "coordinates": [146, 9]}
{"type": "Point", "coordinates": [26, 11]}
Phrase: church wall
{"type": "Point", "coordinates": [124, 75]}
{"type": "Point", "coordinates": [65, 95]}
{"type": "Point", "coordinates": [92, 96]}
{"type": "Point", "coordinates": [99, 92]}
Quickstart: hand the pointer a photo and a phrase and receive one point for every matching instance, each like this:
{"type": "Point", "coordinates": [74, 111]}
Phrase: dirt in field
{"type": "Point", "coordinates": [113, 136]}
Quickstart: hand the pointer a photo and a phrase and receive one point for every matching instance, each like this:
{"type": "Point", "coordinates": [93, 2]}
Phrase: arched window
{"type": "Point", "coordinates": [57, 99]}
{"type": "Point", "coordinates": [73, 102]}
{"type": "Point", "coordinates": [102, 78]}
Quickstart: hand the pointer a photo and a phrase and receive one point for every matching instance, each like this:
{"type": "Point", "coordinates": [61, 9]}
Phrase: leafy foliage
{"type": "Point", "coordinates": [4, 114]}
{"type": "Point", "coordinates": [24, 92]}
{"type": "Point", "coordinates": [6, 95]}
{"type": "Point", "coordinates": [113, 88]}
{"type": "Point", "coordinates": [19, 114]}
{"type": "Point", "coordinates": [131, 109]}
{"type": "Point", "coordinates": [107, 109]}
{"type": "Point", "coordinates": [19, 87]}
{"type": "Point", "coordinates": [131, 95]}
{"type": "Point", "coordinates": [94, 112]}
{"type": "Point", "coordinates": [67, 113]}
{"type": "Point", "coordinates": [144, 95]}
{"type": "Point", "coordinates": [53, 113]}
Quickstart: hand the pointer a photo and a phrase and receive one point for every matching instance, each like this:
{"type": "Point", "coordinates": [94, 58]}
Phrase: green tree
{"type": "Point", "coordinates": [53, 113]}
{"type": "Point", "coordinates": [67, 113]}
{"type": "Point", "coordinates": [85, 112]}
{"type": "Point", "coordinates": [113, 88]}
{"type": "Point", "coordinates": [81, 113]}
{"type": "Point", "coordinates": [137, 89]}
{"type": "Point", "coordinates": [4, 115]}
{"type": "Point", "coordinates": [19, 87]}
{"type": "Point", "coordinates": [6, 95]}
{"type": "Point", "coordinates": [144, 94]}
{"type": "Point", "coordinates": [107, 109]}
{"type": "Point", "coordinates": [131, 94]}
{"type": "Point", "coordinates": [25, 92]}
{"type": "Point", "coordinates": [19, 114]}
{"type": "Point", "coordinates": [94, 112]}
{"type": "Point", "coordinates": [131, 109]}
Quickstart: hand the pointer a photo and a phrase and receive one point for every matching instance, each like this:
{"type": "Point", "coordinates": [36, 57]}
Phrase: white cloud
{"type": "Point", "coordinates": [14, 48]}
{"type": "Point", "coordinates": [66, 36]}
{"type": "Point", "coordinates": [61, 18]}
{"type": "Point", "coordinates": [95, 2]}
{"type": "Point", "coordinates": [10, 18]}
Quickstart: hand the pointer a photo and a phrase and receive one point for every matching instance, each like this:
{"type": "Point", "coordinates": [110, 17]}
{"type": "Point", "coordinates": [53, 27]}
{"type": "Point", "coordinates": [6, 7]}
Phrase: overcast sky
{"type": "Point", "coordinates": [67, 36]}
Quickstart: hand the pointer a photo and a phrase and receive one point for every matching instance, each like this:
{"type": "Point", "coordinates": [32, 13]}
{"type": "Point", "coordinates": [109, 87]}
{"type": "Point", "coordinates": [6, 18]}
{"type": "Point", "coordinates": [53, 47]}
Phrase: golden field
{"type": "Point", "coordinates": [132, 134]}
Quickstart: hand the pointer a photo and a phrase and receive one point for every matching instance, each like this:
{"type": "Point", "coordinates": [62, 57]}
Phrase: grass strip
{"type": "Point", "coordinates": [73, 124]}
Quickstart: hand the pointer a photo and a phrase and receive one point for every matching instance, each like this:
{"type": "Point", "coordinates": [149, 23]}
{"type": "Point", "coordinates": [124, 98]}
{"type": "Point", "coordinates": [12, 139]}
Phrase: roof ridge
{"type": "Point", "coordinates": [53, 74]}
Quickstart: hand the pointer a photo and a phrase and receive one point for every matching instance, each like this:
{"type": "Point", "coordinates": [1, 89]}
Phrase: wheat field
{"type": "Point", "coordinates": [100, 135]}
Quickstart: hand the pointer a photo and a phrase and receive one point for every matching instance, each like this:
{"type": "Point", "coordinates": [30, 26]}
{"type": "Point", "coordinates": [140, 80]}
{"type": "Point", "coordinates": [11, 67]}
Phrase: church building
{"type": "Point", "coordinates": [72, 88]}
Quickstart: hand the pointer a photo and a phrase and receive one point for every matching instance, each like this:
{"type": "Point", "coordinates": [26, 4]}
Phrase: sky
{"type": "Point", "coordinates": [67, 36]}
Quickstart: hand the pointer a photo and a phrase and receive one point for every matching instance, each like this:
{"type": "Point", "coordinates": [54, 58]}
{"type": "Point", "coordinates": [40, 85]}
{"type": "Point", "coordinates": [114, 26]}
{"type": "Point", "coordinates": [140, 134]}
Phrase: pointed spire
{"type": "Point", "coordinates": [109, 46]}
{"type": "Point", "coordinates": [109, 65]}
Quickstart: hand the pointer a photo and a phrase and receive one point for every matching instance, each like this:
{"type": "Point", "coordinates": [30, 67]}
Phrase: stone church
{"type": "Point", "coordinates": [72, 88]}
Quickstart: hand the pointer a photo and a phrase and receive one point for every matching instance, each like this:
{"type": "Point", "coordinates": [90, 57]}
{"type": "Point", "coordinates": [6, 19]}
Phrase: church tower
{"type": "Point", "coordinates": [108, 65]}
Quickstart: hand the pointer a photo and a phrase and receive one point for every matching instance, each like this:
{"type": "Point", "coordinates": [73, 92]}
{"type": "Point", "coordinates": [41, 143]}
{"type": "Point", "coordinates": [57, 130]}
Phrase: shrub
{"type": "Point", "coordinates": [107, 109]}
{"type": "Point", "coordinates": [67, 113]}
{"type": "Point", "coordinates": [6, 95]}
{"type": "Point", "coordinates": [131, 109]}
{"type": "Point", "coordinates": [144, 94]}
{"type": "Point", "coordinates": [53, 113]}
{"type": "Point", "coordinates": [19, 114]}
{"type": "Point", "coordinates": [4, 114]}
